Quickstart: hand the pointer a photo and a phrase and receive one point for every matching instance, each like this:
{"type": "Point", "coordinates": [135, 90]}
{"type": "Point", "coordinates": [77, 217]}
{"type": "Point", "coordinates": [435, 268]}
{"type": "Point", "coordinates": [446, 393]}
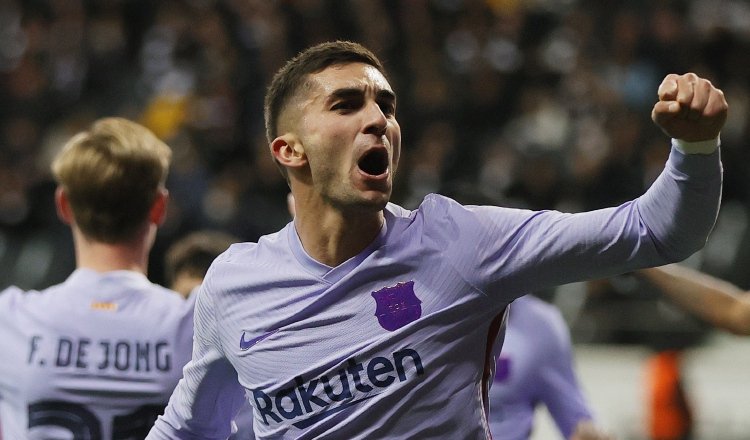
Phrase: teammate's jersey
{"type": "Point", "coordinates": [395, 342]}
{"type": "Point", "coordinates": [95, 357]}
{"type": "Point", "coordinates": [535, 367]}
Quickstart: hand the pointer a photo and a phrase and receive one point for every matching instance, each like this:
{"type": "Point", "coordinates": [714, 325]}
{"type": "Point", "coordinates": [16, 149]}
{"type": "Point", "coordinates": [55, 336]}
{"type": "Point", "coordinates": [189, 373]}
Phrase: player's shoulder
{"type": "Point", "coordinates": [165, 294]}
{"type": "Point", "coordinates": [15, 294]}
{"type": "Point", "coordinates": [250, 260]}
{"type": "Point", "coordinates": [237, 252]}
{"type": "Point", "coordinates": [11, 291]}
{"type": "Point", "coordinates": [11, 295]}
{"type": "Point", "coordinates": [248, 252]}
{"type": "Point", "coordinates": [434, 210]}
{"type": "Point", "coordinates": [165, 309]}
{"type": "Point", "coordinates": [131, 290]}
{"type": "Point", "coordinates": [438, 207]}
{"type": "Point", "coordinates": [439, 202]}
{"type": "Point", "coordinates": [125, 285]}
{"type": "Point", "coordinates": [437, 222]}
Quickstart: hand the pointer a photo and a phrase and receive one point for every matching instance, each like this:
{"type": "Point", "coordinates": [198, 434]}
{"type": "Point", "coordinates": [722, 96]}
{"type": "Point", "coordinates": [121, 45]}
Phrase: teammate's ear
{"type": "Point", "coordinates": [158, 212]}
{"type": "Point", "coordinates": [289, 151]}
{"type": "Point", "coordinates": [62, 205]}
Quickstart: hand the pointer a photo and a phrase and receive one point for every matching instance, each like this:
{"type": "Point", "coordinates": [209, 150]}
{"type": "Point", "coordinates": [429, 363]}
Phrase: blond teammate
{"type": "Point", "coordinates": [97, 356]}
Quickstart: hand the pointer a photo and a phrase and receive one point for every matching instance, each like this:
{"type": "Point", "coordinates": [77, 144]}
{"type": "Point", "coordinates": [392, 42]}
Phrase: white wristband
{"type": "Point", "coordinates": [700, 147]}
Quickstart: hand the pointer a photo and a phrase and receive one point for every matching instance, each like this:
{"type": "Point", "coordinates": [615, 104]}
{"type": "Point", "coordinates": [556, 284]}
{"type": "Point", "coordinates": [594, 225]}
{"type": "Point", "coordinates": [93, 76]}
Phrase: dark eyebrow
{"type": "Point", "coordinates": [387, 96]}
{"type": "Point", "coordinates": [353, 92]}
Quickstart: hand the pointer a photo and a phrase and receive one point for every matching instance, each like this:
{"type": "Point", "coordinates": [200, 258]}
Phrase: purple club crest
{"type": "Point", "coordinates": [397, 306]}
{"type": "Point", "coordinates": [502, 369]}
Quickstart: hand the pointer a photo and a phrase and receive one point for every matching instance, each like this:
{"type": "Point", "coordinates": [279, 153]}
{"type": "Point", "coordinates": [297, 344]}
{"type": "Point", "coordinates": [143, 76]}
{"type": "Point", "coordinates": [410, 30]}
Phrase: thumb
{"type": "Point", "coordinates": [664, 110]}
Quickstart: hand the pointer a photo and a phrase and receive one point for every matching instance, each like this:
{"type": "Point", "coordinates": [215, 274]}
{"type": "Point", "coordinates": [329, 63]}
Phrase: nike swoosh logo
{"type": "Point", "coordinates": [245, 345]}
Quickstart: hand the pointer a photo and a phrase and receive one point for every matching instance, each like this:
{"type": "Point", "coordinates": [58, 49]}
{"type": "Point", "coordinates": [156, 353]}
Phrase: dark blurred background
{"type": "Point", "coordinates": [541, 104]}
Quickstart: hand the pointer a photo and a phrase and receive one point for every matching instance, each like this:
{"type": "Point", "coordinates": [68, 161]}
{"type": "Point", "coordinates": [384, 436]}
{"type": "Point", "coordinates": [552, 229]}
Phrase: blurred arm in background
{"type": "Point", "coordinates": [718, 302]}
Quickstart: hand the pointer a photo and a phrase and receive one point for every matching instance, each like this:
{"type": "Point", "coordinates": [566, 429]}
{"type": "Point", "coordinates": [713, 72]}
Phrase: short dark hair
{"type": "Point", "coordinates": [194, 253]}
{"type": "Point", "coordinates": [288, 80]}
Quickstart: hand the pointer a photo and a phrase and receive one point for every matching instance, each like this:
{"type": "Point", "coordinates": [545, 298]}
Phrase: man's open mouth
{"type": "Point", "coordinates": [374, 162]}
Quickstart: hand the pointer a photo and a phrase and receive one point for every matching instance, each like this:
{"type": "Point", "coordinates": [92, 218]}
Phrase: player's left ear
{"type": "Point", "coordinates": [158, 212]}
{"type": "Point", "coordinates": [62, 205]}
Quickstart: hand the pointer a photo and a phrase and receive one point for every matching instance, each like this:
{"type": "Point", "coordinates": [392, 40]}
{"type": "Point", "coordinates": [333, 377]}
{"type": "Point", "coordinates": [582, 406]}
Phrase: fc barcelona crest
{"type": "Point", "coordinates": [397, 306]}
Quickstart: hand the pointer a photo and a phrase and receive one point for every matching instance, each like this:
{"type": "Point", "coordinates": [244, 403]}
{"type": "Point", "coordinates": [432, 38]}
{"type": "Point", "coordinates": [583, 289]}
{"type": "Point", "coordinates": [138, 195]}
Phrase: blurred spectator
{"type": "Point", "coordinates": [189, 258]}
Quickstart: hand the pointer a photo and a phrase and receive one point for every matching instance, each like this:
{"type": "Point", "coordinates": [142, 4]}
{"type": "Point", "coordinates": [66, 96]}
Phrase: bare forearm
{"type": "Point", "coordinates": [718, 302]}
{"type": "Point", "coordinates": [587, 430]}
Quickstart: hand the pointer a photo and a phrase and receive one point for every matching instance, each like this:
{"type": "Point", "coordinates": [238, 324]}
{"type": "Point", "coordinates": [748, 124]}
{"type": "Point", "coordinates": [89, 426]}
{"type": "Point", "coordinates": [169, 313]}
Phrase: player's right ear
{"type": "Point", "coordinates": [158, 212]}
{"type": "Point", "coordinates": [289, 151]}
{"type": "Point", "coordinates": [62, 204]}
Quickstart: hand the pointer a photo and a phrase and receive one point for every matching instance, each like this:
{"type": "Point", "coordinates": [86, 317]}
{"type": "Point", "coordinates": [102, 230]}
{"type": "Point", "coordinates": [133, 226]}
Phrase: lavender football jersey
{"type": "Point", "coordinates": [94, 357]}
{"type": "Point", "coordinates": [535, 367]}
{"type": "Point", "coordinates": [396, 342]}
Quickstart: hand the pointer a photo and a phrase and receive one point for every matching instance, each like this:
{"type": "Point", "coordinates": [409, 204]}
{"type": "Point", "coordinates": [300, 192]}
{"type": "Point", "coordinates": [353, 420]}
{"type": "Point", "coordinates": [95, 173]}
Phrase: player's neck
{"type": "Point", "coordinates": [333, 237]}
{"type": "Point", "coordinates": [106, 257]}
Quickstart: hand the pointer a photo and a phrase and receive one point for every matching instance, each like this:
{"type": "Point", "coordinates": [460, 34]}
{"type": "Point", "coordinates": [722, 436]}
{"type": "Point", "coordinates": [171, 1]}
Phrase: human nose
{"type": "Point", "coordinates": [375, 120]}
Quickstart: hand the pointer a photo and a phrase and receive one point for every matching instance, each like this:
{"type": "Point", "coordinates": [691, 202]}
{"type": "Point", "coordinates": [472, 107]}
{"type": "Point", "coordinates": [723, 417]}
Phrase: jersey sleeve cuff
{"type": "Point", "coordinates": [701, 147]}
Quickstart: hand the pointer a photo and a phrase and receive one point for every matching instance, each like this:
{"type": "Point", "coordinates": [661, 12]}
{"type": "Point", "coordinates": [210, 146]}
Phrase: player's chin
{"type": "Point", "coordinates": [373, 200]}
{"type": "Point", "coordinates": [376, 200]}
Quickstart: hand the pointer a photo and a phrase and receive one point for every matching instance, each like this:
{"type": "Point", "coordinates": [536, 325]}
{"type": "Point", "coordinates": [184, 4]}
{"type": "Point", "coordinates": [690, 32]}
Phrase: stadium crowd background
{"type": "Point", "coordinates": [529, 103]}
